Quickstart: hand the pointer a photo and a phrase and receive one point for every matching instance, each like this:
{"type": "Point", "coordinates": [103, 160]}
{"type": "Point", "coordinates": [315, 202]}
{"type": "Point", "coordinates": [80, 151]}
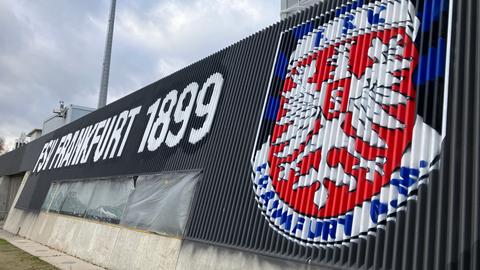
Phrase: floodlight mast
{"type": "Point", "coordinates": [102, 97]}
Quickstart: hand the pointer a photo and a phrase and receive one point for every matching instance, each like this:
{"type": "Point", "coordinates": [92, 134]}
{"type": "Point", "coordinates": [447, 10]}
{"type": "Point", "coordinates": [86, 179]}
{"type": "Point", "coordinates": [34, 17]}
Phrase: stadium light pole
{"type": "Point", "coordinates": [102, 97]}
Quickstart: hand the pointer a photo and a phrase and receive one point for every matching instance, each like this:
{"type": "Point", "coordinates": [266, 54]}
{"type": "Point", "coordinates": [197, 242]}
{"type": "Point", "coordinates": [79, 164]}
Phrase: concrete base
{"type": "Point", "coordinates": [194, 255]}
{"type": "Point", "coordinates": [106, 245]}
{"type": "Point", "coordinates": [116, 247]}
{"type": "Point", "coordinates": [53, 257]}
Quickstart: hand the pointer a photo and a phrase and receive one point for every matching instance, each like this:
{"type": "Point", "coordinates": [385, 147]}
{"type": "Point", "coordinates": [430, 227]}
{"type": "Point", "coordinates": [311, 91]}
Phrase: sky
{"type": "Point", "coordinates": [52, 50]}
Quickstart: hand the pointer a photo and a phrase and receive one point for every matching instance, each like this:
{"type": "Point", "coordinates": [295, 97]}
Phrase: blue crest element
{"type": "Point", "coordinates": [280, 70]}
{"type": "Point", "coordinates": [432, 65]}
{"type": "Point", "coordinates": [374, 18]}
{"type": "Point", "coordinates": [348, 23]}
{"type": "Point", "coordinates": [272, 108]}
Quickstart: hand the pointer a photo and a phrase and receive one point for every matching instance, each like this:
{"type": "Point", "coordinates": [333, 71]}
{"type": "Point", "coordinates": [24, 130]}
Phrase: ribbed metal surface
{"type": "Point", "coordinates": [394, 240]}
{"type": "Point", "coordinates": [421, 213]}
{"type": "Point", "coordinates": [453, 210]}
{"type": "Point", "coordinates": [22, 159]}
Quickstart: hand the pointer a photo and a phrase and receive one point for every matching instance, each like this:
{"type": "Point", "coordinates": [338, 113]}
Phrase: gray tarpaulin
{"type": "Point", "coordinates": [160, 203]}
{"type": "Point", "coordinates": [50, 196]}
{"type": "Point", "coordinates": [59, 197]}
{"type": "Point", "coordinates": [78, 197]}
{"type": "Point", "coordinates": [109, 199]}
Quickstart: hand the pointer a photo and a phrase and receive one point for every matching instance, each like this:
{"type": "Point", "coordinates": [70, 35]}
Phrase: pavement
{"type": "Point", "coordinates": [51, 256]}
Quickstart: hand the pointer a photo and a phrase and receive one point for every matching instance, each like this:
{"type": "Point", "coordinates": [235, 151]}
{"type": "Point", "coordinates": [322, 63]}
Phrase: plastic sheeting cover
{"type": "Point", "coordinates": [161, 203]}
{"type": "Point", "coordinates": [109, 199]}
{"type": "Point", "coordinates": [77, 199]}
{"type": "Point", "coordinates": [59, 197]}
{"type": "Point", "coordinates": [50, 196]}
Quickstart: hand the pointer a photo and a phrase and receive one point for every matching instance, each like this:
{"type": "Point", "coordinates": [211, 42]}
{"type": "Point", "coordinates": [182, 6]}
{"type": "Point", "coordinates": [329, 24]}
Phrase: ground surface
{"type": "Point", "coordinates": [13, 258]}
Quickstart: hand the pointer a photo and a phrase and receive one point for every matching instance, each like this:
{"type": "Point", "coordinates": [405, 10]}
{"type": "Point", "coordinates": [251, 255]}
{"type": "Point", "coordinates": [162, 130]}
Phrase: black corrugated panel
{"type": "Point", "coordinates": [453, 228]}
{"type": "Point", "coordinates": [330, 143]}
{"type": "Point", "coordinates": [21, 159]}
{"type": "Point", "coordinates": [398, 242]}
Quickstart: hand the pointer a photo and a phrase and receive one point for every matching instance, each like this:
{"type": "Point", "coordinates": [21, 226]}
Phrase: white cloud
{"type": "Point", "coordinates": [52, 50]}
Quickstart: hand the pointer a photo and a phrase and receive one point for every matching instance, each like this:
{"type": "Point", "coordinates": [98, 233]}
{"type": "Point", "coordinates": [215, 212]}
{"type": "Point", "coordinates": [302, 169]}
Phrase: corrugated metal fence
{"type": "Point", "coordinates": [293, 169]}
{"type": "Point", "coordinates": [439, 229]}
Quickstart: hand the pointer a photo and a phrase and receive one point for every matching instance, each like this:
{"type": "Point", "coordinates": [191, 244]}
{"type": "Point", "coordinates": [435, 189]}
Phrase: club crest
{"type": "Point", "coordinates": [340, 146]}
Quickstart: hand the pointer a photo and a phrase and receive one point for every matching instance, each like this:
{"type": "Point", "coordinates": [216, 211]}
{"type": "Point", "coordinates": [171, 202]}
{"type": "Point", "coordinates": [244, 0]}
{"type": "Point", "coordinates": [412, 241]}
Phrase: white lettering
{"type": "Point", "coordinates": [163, 119]}
{"type": "Point", "coordinates": [182, 115]}
{"type": "Point", "coordinates": [208, 109]}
